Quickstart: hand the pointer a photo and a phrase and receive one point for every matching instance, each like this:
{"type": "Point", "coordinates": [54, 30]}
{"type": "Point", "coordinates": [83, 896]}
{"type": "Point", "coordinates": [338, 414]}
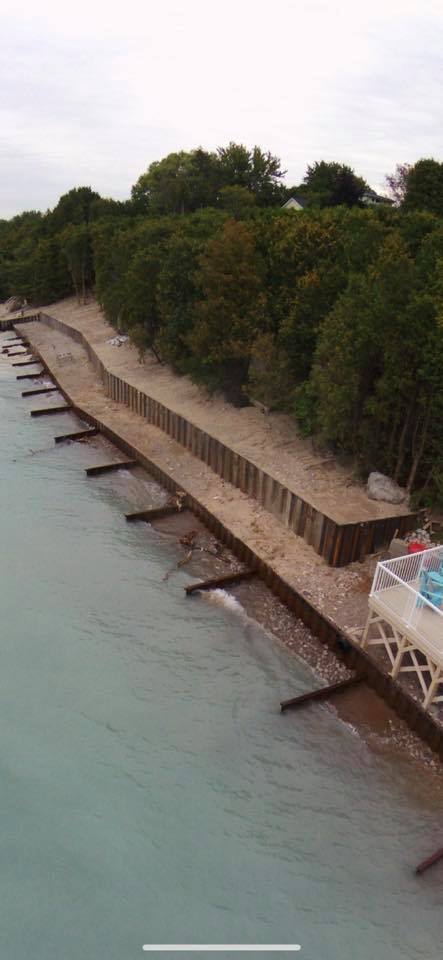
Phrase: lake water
{"type": "Point", "coordinates": [150, 789]}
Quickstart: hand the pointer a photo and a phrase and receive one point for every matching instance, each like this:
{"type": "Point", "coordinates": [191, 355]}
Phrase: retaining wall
{"type": "Point", "coordinates": [405, 706]}
{"type": "Point", "coordinates": [339, 544]}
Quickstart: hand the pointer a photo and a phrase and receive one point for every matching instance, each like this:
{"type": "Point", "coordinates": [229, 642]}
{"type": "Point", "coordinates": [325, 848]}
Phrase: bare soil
{"type": "Point", "coordinates": [269, 440]}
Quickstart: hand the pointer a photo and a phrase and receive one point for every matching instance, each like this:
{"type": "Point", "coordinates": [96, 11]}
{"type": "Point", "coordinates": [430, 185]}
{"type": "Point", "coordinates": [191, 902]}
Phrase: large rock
{"type": "Point", "coordinates": [383, 488]}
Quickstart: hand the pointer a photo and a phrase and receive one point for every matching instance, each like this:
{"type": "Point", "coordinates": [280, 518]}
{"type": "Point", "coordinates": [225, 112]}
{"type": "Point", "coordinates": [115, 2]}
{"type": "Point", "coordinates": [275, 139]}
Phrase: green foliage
{"type": "Point", "coordinates": [333, 314]}
{"type": "Point", "coordinates": [184, 182]}
{"type": "Point", "coordinates": [333, 184]}
{"type": "Point", "coordinates": [231, 310]}
{"type": "Point", "coordinates": [238, 202]}
{"type": "Point", "coordinates": [424, 187]}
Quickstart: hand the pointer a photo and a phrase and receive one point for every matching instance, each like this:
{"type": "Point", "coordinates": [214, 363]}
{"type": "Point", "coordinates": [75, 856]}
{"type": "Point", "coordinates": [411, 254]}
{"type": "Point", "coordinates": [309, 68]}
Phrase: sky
{"type": "Point", "coordinates": [92, 92]}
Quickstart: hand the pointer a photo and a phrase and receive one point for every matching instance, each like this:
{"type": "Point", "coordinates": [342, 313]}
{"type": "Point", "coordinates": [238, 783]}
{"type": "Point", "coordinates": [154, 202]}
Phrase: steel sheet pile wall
{"type": "Point", "coordinates": [420, 721]}
{"type": "Point", "coordinates": [339, 544]}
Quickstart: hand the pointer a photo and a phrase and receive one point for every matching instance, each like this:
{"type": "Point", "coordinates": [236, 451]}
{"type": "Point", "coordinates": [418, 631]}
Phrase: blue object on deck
{"type": "Point", "coordinates": [431, 587]}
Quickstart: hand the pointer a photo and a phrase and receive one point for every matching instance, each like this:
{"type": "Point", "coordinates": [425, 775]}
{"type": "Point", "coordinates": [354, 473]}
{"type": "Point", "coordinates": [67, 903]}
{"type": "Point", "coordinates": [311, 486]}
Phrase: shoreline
{"type": "Point", "coordinates": [151, 441]}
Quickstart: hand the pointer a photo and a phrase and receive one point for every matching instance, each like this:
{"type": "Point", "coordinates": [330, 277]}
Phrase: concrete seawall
{"type": "Point", "coordinates": [338, 543]}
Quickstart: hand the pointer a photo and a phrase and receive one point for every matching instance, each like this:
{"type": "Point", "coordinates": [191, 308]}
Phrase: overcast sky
{"type": "Point", "coordinates": [91, 93]}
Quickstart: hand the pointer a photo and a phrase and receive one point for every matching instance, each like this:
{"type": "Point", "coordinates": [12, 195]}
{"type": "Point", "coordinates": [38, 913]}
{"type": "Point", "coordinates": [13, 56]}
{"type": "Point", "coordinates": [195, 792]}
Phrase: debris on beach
{"type": "Point", "coordinates": [117, 341]}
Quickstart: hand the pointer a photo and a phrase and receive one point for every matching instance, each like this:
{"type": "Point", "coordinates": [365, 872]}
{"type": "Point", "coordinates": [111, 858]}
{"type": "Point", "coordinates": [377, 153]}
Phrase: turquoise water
{"type": "Point", "coordinates": [150, 789]}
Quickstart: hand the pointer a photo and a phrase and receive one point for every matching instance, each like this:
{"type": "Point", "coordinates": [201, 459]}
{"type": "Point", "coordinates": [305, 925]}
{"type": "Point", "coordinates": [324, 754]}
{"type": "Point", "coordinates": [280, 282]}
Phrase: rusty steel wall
{"type": "Point", "coordinates": [338, 544]}
{"type": "Point", "coordinates": [343, 646]}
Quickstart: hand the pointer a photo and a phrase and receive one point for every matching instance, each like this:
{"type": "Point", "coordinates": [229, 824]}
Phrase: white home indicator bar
{"type": "Point", "coordinates": [222, 947]}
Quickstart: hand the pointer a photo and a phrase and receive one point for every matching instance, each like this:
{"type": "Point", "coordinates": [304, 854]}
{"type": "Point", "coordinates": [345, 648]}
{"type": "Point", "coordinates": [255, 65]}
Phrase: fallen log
{"type": "Point", "coordinates": [322, 693]}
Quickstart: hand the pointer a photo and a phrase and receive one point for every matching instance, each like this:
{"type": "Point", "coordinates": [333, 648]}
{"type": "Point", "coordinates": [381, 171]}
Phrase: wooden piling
{"type": "Point", "coordinates": [223, 581]}
{"type": "Point", "coordinates": [42, 411]}
{"type": "Point", "coordinates": [33, 393]}
{"type": "Point", "coordinates": [425, 864]}
{"type": "Point", "coordinates": [25, 363]}
{"type": "Point", "coordinates": [155, 514]}
{"type": "Point", "coordinates": [323, 693]}
{"type": "Point", "coordinates": [108, 467]}
{"type": "Point", "coordinates": [77, 434]}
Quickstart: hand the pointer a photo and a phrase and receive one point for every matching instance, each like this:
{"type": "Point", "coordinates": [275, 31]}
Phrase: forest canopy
{"type": "Point", "coordinates": [333, 313]}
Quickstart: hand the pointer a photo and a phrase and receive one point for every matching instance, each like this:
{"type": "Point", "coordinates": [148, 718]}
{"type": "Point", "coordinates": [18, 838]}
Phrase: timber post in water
{"type": "Point", "coordinates": [216, 582]}
{"type": "Point", "coordinates": [77, 434]}
{"type": "Point", "coordinates": [109, 467]}
{"type": "Point", "coordinates": [43, 411]}
{"type": "Point", "coordinates": [33, 393]}
{"type": "Point", "coordinates": [147, 516]}
{"type": "Point", "coordinates": [26, 363]}
{"type": "Point", "coordinates": [425, 864]}
{"type": "Point", "coordinates": [323, 693]}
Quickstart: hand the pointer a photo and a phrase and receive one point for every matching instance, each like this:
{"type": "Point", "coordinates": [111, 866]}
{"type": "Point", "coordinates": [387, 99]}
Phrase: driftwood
{"type": "Point", "coordinates": [180, 563]}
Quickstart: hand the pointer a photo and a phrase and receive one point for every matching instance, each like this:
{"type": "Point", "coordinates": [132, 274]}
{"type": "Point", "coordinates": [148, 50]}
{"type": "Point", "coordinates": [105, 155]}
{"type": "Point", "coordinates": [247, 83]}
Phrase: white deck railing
{"type": "Point", "coordinates": [397, 585]}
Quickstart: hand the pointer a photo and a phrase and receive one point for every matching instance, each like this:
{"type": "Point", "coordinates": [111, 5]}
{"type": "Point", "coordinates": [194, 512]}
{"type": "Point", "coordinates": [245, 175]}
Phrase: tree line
{"type": "Point", "coordinates": [332, 313]}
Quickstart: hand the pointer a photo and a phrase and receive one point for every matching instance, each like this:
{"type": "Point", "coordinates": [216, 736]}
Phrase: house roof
{"type": "Point", "coordinates": [302, 202]}
{"type": "Point", "coordinates": [371, 194]}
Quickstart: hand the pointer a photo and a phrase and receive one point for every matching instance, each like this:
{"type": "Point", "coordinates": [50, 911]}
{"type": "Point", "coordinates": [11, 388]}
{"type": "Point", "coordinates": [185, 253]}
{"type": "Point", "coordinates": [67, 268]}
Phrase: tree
{"type": "Point", "coordinates": [397, 182]}
{"type": "Point", "coordinates": [238, 202]}
{"type": "Point", "coordinates": [179, 183]}
{"type": "Point", "coordinates": [333, 184]}
{"type": "Point", "coordinates": [73, 207]}
{"type": "Point", "coordinates": [76, 246]}
{"type": "Point", "coordinates": [424, 190]}
{"type": "Point", "coordinates": [230, 312]}
{"type": "Point", "coordinates": [257, 170]}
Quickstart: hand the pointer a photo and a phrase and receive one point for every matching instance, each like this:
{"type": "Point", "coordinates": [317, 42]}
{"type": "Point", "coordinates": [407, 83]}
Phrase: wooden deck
{"type": "Point", "coordinates": [419, 621]}
{"type": "Point", "coordinates": [411, 632]}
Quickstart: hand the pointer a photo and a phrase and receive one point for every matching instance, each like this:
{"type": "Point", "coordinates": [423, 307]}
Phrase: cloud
{"type": "Point", "coordinates": [94, 94]}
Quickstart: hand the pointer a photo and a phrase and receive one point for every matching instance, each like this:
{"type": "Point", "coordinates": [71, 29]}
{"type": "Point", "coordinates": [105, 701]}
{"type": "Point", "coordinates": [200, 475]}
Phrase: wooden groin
{"type": "Point", "coordinates": [77, 434]}
{"type": "Point", "coordinates": [228, 579]}
{"type": "Point", "coordinates": [44, 411]}
{"type": "Point", "coordinates": [18, 353]}
{"type": "Point", "coordinates": [26, 363]}
{"type": "Point", "coordinates": [34, 393]}
{"type": "Point", "coordinates": [342, 644]}
{"type": "Point", "coordinates": [322, 693]}
{"type": "Point", "coordinates": [425, 864]}
{"type": "Point", "coordinates": [109, 467]}
{"type": "Point", "coordinates": [31, 376]}
{"type": "Point", "coordinates": [156, 513]}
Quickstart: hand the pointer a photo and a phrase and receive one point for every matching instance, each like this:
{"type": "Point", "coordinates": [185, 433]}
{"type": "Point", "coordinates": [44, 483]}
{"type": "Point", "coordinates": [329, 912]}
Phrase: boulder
{"type": "Point", "coordinates": [380, 487]}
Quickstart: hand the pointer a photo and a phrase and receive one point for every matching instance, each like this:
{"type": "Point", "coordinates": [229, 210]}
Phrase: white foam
{"type": "Point", "coordinates": [224, 599]}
